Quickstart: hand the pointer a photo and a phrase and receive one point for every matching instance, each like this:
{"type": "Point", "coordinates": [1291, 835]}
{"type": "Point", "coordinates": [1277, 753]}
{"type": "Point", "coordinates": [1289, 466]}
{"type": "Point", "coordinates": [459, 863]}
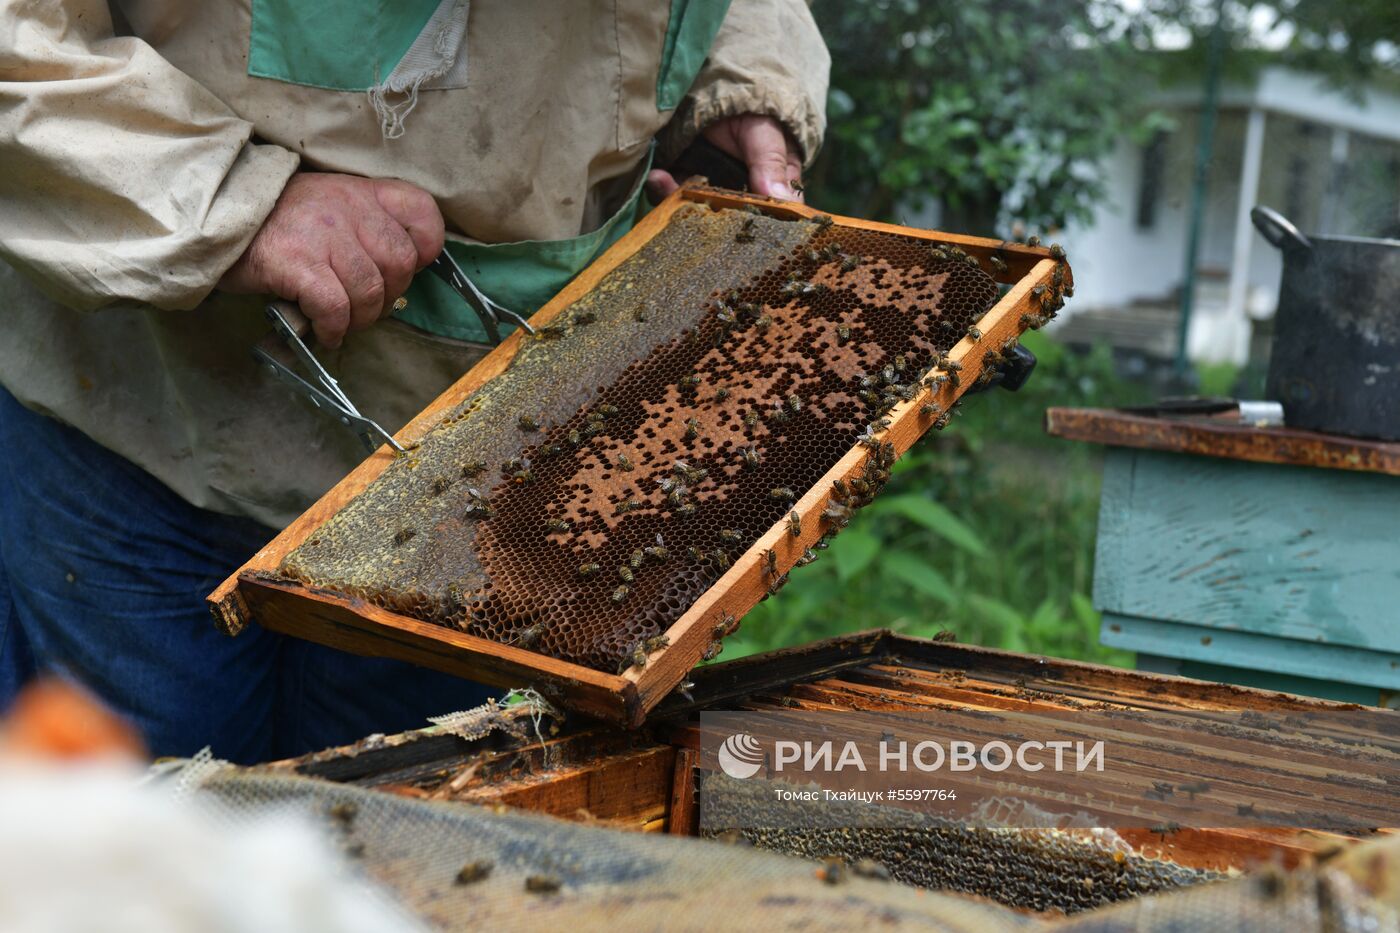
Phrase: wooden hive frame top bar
{"type": "Point", "coordinates": [253, 593]}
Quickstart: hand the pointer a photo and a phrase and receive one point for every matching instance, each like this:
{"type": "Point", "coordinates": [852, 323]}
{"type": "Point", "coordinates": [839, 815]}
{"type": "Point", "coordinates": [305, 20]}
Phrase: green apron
{"type": "Point", "coordinates": [521, 276]}
{"type": "Point", "coordinates": [324, 45]}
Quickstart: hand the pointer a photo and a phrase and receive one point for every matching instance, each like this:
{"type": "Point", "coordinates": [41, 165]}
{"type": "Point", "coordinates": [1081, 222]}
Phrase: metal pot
{"type": "Point", "coordinates": [1335, 364]}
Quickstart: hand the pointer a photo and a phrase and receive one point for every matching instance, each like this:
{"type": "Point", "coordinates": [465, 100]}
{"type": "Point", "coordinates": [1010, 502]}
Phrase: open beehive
{"type": "Point", "coordinates": [650, 779]}
{"type": "Point", "coordinates": [590, 510]}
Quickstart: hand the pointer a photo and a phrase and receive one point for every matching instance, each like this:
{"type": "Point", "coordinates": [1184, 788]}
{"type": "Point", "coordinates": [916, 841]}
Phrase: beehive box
{"type": "Point", "coordinates": [589, 511]}
{"type": "Point", "coordinates": [646, 780]}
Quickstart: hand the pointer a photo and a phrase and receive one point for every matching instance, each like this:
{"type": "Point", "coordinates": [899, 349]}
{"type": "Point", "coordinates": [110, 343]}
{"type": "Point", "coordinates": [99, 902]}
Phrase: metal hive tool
{"type": "Point", "coordinates": [732, 379]}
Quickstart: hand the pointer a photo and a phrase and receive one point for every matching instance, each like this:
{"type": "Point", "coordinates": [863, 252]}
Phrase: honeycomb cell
{"type": "Point", "coordinates": [581, 501]}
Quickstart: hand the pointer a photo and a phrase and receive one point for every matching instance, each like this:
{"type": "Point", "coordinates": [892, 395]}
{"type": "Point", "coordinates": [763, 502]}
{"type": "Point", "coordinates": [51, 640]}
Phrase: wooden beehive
{"type": "Point", "coordinates": [646, 780]}
{"type": "Point", "coordinates": [927, 288]}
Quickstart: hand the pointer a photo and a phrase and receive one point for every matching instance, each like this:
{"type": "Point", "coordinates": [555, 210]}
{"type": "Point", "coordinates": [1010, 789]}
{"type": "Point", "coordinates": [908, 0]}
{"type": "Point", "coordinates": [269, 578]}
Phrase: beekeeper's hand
{"type": "Point", "coordinates": [342, 247]}
{"type": "Point", "coordinates": [759, 142]}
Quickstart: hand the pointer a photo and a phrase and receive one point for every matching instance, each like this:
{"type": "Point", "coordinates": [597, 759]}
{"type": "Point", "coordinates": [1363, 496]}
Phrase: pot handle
{"type": "Point", "coordinates": [1278, 230]}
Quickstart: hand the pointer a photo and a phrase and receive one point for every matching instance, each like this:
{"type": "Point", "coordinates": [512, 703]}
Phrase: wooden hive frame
{"type": "Point", "coordinates": [253, 593]}
{"type": "Point", "coordinates": [646, 780]}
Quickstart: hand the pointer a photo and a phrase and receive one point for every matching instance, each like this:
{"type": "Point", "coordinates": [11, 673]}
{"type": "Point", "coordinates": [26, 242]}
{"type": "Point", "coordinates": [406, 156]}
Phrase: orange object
{"type": "Point", "coordinates": [52, 718]}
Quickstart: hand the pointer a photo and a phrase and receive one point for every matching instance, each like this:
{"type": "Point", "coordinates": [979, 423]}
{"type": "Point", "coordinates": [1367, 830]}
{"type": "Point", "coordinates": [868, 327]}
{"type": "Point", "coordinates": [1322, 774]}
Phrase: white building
{"type": "Point", "coordinates": [1328, 160]}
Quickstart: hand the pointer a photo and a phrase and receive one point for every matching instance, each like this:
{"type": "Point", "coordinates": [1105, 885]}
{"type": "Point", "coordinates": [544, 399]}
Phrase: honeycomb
{"type": "Point", "coordinates": [1033, 869]}
{"type": "Point", "coordinates": [578, 503]}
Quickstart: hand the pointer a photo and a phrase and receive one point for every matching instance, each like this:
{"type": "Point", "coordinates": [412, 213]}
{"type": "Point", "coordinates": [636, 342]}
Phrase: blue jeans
{"type": "Point", "coordinates": [103, 574]}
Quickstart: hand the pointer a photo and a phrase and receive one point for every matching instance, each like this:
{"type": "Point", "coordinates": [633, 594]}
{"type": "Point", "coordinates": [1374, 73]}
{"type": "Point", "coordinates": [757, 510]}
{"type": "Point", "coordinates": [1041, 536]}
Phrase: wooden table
{"type": "Point", "coordinates": [1260, 556]}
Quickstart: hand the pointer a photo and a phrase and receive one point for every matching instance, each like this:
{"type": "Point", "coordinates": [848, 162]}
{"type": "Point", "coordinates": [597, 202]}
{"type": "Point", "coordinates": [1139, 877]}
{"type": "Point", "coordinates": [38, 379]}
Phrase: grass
{"type": "Point", "coordinates": [986, 529]}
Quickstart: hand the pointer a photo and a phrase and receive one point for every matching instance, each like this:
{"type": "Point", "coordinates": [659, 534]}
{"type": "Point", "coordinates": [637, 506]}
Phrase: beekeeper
{"type": "Point", "coordinates": [165, 166]}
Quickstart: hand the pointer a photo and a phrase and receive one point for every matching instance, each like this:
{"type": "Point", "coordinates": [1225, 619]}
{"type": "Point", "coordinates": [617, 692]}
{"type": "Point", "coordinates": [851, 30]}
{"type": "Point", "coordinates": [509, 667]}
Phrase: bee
{"type": "Point", "coordinates": [1057, 278]}
{"type": "Point", "coordinates": [745, 234]}
{"type": "Point", "coordinates": [657, 553]}
{"type": "Point", "coordinates": [685, 509]}
{"type": "Point", "coordinates": [712, 651]}
{"type": "Point", "coordinates": [794, 404]}
{"type": "Point", "coordinates": [869, 868]}
{"type": "Point", "coordinates": [808, 556]}
{"type": "Point", "coordinates": [1032, 240]}
{"type": "Point", "coordinates": [585, 317]}
{"type": "Point", "coordinates": [1038, 294]}
{"type": "Point", "coordinates": [555, 525]}
{"type": "Point", "coordinates": [624, 573]}
{"type": "Point", "coordinates": [721, 393]}
{"type": "Point", "coordinates": [749, 456]}
{"type": "Point", "coordinates": [403, 536]}
{"type": "Point", "coordinates": [770, 562]}
{"type": "Point", "coordinates": [694, 554]}
{"type": "Point", "coordinates": [656, 643]}
{"type": "Point", "coordinates": [720, 559]}
{"type": "Point", "coordinates": [473, 468]}
{"type": "Point", "coordinates": [974, 333]}
{"type": "Point", "coordinates": [762, 323]}
{"type": "Point", "coordinates": [1057, 252]}
{"type": "Point", "coordinates": [1165, 828]}
{"type": "Point", "coordinates": [840, 491]}
{"type": "Point", "coordinates": [542, 884]}
{"type": "Point", "coordinates": [938, 254]}
{"type": "Point", "coordinates": [523, 476]}
{"type": "Point", "coordinates": [574, 438]}
{"type": "Point", "coordinates": [550, 331]}
{"type": "Point", "coordinates": [690, 383]}
{"type": "Point", "coordinates": [478, 507]}
{"type": "Point", "coordinates": [794, 524]}
{"type": "Point", "coordinates": [343, 813]}
{"type": "Point", "coordinates": [751, 417]}
{"type": "Point", "coordinates": [1244, 809]}
{"type": "Point", "coordinates": [796, 185]}
{"type": "Point", "coordinates": [813, 255]}
{"type": "Point", "coordinates": [782, 493]}
{"type": "Point", "coordinates": [843, 334]}
{"type": "Point", "coordinates": [1165, 788]}
{"type": "Point", "coordinates": [998, 264]}
{"type": "Point", "coordinates": [957, 252]}
{"type": "Point", "coordinates": [849, 263]}
{"type": "Point", "coordinates": [692, 429]}
{"type": "Point", "coordinates": [794, 287]}
{"type": "Point", "coordinates": [930, 410]}
{"type": "Point", "coordinates": [619, 594]}
{"type": "Point", "coordinates": [588, 570]}
{"type": "Point", "coordinates": [731, 535]}
{"type": "Point", "coordinates": [1194, 788]}
{"type": "Point", "coordinates": [1032, 321]}
{"type": "Point", "coordinates": [625, 464]}
{"type": "Point", "coordinates": [528, 636]}
{"type": "Point", "coordinates": [684, 688]}
{"type": "Point", "coordinates": [473, 872]}
{"type": "Point", "coordinates": [677, 496]}
{"type": "Point", "coordinates": [727, 625]}
{"type": "Point", "coordinates": [526, 423]}
{"type": "Point", "coordinates": [777, 415]}
{"type": "Point", "coordinates": [636, 558]}
{"type": "Point", "coordinates": [833, 870]}
{"type": "Point", "coordinates": [751, 209]}
{"type": "Point", "coordinates": [837, 514]}
{"type": "Point", "coordinates": [822, 220]}
{"type": "Point", "coordinates": [625, 506]}
{"type": "Point", "coordinates": [439, 485]}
